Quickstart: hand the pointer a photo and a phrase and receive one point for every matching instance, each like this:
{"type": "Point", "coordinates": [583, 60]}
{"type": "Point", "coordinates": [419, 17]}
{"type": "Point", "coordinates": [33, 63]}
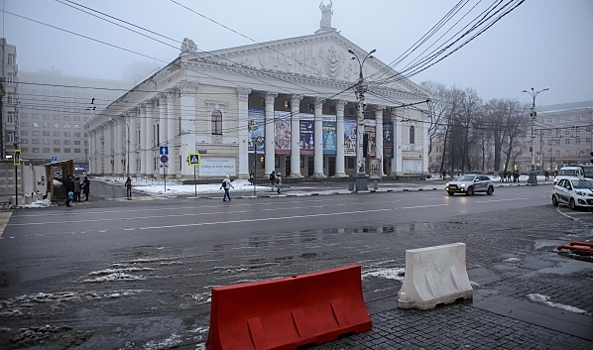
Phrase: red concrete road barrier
{"type": "Point", "coordinates": [288, 312]}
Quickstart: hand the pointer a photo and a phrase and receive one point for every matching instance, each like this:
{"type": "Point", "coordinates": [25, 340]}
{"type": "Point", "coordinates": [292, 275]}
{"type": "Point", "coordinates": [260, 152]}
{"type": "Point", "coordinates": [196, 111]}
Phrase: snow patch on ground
{"type": "Point", "coordinates": [393, 274]}
{"type": "Point", "coordinates": [544, 299]}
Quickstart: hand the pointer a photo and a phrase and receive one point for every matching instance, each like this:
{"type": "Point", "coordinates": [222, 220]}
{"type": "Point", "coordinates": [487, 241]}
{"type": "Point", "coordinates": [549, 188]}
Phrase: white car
{"type": "Point", "coordinates": [470, 184]}
{"type": "Point", "coordinates": [568, 171]}
{"type": "Point", "coordinates": [576, 192]}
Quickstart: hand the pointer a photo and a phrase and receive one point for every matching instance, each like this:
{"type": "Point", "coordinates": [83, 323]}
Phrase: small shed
{"type": "Point", "coordinates": [58, 171]}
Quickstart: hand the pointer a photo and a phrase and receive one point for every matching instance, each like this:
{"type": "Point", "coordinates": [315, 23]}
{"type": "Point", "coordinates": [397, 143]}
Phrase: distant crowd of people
{"type": "Point", "coordinates": [74, 187]}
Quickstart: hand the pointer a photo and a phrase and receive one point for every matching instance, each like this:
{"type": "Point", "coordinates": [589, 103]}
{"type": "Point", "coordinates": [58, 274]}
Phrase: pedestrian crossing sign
{"type": "Point", "coordinates": [193, 159]}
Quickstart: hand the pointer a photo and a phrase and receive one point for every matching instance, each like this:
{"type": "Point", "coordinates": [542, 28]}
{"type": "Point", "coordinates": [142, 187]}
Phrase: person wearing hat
{"type": "Point", "coordinates": [278, 181]}
{"type": "Point", "coordinates": [226, 184]}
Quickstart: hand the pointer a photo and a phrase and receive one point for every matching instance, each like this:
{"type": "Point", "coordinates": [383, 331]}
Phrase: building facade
{"type": "Point", "coordinates": [9, 101]}
{"type": "Point", "coordinates": [287, 106]}
{"type": "Point", "coordinates": [53, 109]}
{"type": "Point", "coordinates": [562, 136]}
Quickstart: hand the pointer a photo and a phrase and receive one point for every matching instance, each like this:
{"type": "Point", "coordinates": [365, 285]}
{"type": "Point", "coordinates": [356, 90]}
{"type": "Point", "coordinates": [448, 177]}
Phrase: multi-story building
{"type": "Point", "coordinates": [53, 110]}
{"type": "Point", "coordinates": [287, 106]}
{"type": "Point", "coordinates": [562, 136]}
{"type": "Point", "coordinates": [9, 101]}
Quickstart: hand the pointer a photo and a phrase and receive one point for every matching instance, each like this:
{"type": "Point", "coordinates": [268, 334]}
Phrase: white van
{"type": "Point", "coordinates": [569, 171]}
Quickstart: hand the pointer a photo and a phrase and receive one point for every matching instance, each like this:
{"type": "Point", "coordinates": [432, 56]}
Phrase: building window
{"type": "Point", "coordinates": [567, 141]}
{"type": "Point", "coordinates": [34, 133]}
{"type": "Point", "coordinates": [10, 98]}
{"type": "Point", "coordinates": [11, 59]}
{"type": "Point", "coordinates": [24, 141]}
{"type": "Point", "coordinates": [35, 125]}
{"type": "Point", "coordinates": [56, 150]}
{"type": "Point", "coordinates": [24, 124]}
{"type": "Point", "coordinates": [46, 125]}
{"type": "Point", "coordinates": [76, 119]}
{"type": "Point", "coordinates": [412, 135]}
{"type": "Point", "coordinates": [216, 122]}
{"type": "Point", "coordinates": [46, 150]}
{"type": "Point", "coordinates": [332, 109]}
{"type": "Point", "coordinates": [10, 137]}
{"type": "Point", "coordinates": [24, 133]}
{"type": "Point", "coordinates": [57, 142]}
{"type": "Point", "coordinates": [76, 126]}
{"type": "Point", "coordinates": [350, 161]}
{"type": "Point", "coordinates": [577, 141]}
{"type": "Point", "coordinates": [35, 150]}
{"type": "Point", "coordinates": [45, 141]}
{"type": "Point", "coordinates": [549, 131]}
{"type": "Point", "coordinates": [45, 117]}
{"type": "Point", "coordinates": [10, 79]}
{"type": "Point", "coordinates": [286, 104]}
{"type": "Point", "coordinates": [35, 116]}
{"type": "Point", "coordinates": [76, 142]}
{"type": "Point", "coordinates": [66, 126]}
{"type": "Point", "coordinates": [45, 133]}
{"type": "Point", "coordinates": [56, 134]}
{"type": "Point", "coordinates": [35, 141]}
{"type": "Point", "coordinates": [66, 118]}
{"type": "Point", "coordinates": [67, 142]}
{"type": "Point", "coordinates": [588, 140]}
{"type": "Point", "coordinates": [56, 117]}
{"type": "Point", "coordinates": [10, 118]}
{"type": "Point", "coordinates": [66, 150]}
{"type": "Point", "coordinates": [557, 142]}
{"type": "Point", "coordinates": [66, 134]}
{"type": "Point", "coordinates": [76, 134]}
{"type": "Point", "coordinates": [77, 150]}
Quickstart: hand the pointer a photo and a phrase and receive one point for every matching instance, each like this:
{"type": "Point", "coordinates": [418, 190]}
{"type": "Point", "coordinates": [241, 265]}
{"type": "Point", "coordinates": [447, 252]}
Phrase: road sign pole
{"type": "Point", "coordinates": [195, 184]}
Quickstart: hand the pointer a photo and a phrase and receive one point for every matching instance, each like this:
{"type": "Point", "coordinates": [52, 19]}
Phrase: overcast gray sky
{"type": "Point", "coordinates": [542, 43]}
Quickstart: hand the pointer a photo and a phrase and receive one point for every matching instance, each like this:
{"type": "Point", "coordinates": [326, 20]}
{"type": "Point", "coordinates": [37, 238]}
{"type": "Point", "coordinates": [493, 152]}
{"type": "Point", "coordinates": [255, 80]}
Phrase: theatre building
{"type": "Point", "coordinates": [288, 105]}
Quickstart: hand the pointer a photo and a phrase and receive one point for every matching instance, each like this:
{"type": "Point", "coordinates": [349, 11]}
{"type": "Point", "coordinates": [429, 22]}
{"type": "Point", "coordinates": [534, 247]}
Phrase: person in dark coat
{"type": "Point", "coordinates": [86, 187]}
{"type": "Point", "coordinates": [77, 189]}
{"type": "Point", "coordinates": [69, 187]}
{"type": "Point", "coordinates": [273, 179]}
{"type": "Point", "coordinates": [128, 187]}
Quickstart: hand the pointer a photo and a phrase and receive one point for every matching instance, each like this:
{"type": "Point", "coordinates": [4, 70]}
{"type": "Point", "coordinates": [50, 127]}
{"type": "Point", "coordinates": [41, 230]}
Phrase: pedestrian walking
{"type": "Point", "coordinates": [273, 179]}
{"type": "Point", "coordinates": [86, 187]}
{"type": "Point", "coordinates": [128, 187]}
{"type": "Point", "coordinates": [226, 184]}
{"type": "Point", "coordinates": [69, 187]}
{"type": "Point", "coordinates": [77, 189]}
{"type": "Point", "coordinates": [278, 181]}
{"type": "Point", "coordinates": [251, 178]}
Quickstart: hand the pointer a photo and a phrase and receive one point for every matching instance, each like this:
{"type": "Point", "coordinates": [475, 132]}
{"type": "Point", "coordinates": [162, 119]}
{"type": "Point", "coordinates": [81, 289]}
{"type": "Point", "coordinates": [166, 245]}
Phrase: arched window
{"type": "Point", "coordinates": [216, 122]}
{"type": "Point", "coordinates": [412, 135]}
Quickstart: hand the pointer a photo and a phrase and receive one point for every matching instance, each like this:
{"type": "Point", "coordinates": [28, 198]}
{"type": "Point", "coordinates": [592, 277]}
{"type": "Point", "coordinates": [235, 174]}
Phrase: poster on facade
{"type": "Point", "coordinates": [350, 137]}
{"type": "Point", "coordinates": [307, 133]}
{"type": "Point", "coordinates": [369, 129]}
{"type": "Point", "coordinates": [217, 166]}
{"type": "Point", "coordinates": [375, 170]}
{"type": "Point", "coordinates": [330, 139]}
{"type": "Point", "coordinates": [388, 140]}
{"type": "Point", "coordinates": [256, 120]}
{"type": "Point", "coordinates": [282, 132]}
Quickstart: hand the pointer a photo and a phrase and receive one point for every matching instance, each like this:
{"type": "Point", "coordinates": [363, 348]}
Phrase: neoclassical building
{"type": "Point", "coordinates": [287, 105]}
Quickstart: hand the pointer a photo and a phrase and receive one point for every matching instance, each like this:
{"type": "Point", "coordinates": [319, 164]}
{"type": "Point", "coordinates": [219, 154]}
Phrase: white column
{"type": "Point", "coordinates": [162, 138]}
{"type": "Point", "coordinates": [118, 135]}
{"type": "Point", "coordinates": [172, 141]}
{"type": "Point", "coordinates": [243, 105]}
{"type": "Point", "coordinates": [144, 137]}
{"type": "Point", "coordinates": [340, 172]}
{"type": "Point", "coordinates": [270, 142]}
{"type": "Point", "coordinates": [90, 155]}
{"type": "Point", "coordinates": [396, 162]}
{"type": "Point", "coordinates": [187, 110]}
{"type": "Point", "coordinates": [133, 147]}
{"type": "Point", "coordinates": [318, 137]}
{"type": "Point", "coordinates": [295, 152]}
{"type": "Point", "coordinates": [379, 137]}
{"type": "Point", "coordinates": [108, 148]}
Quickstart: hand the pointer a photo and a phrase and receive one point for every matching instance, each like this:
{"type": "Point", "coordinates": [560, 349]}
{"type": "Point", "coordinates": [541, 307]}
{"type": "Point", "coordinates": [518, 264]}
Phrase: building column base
{"type": "Point", "coordinates": [295, 175]}
{"type": "Point", "coordinates": [318, 176]}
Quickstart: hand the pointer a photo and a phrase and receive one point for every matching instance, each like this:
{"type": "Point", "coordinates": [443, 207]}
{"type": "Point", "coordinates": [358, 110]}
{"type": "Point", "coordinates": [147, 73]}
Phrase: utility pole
{"type": "Point", "coordinates": [532, 174]}
{"type": "Point", "coordinates": [361, 87]}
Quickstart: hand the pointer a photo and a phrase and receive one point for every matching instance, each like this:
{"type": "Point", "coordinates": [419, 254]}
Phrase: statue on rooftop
{"type": "Point", "coordinates": [326, 13]}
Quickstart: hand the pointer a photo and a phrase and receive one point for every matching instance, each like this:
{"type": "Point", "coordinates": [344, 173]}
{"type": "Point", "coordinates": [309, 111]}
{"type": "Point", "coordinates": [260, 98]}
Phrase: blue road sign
{"type": "Point", "coordinates": [164, 159]}
{"type": "Point", "coordinates": [164, 150]}
{"type": "Point", "coordinates": [54, 158]}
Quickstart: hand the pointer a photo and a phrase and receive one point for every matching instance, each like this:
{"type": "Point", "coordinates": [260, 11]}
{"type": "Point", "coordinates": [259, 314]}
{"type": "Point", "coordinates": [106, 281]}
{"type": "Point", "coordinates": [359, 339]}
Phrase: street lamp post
{"type": "Point", "coordinates": [361, 87]}
{"type": "Point", "coordinates": [532, 174]}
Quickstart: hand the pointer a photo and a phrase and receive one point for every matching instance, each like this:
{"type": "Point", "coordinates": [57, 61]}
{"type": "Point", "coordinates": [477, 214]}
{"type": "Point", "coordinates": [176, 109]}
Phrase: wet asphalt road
{"type": "Point", "coordinates": [137, 274]}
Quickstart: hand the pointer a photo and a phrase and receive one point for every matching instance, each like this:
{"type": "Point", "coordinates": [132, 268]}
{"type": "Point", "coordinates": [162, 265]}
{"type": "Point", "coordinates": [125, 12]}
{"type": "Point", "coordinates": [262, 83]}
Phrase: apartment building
{"type": "Point", "coordinates": [53, 110]}
{"type": "Point", "coordinates": [9, 98]}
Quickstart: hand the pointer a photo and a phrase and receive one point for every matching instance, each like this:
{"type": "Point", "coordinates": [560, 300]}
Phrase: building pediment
{"type": "Point", "coordinates": [320, 56]}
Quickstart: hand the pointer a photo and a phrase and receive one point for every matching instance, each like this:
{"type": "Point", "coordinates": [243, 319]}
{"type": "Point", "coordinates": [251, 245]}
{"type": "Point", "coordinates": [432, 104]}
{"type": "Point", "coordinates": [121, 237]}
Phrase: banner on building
{"type": "Point", "coordinates": [282, 132]}
{"type": "Point", "coordinates": [307, 133]}
{"type": "Point", "coordinates": [217, 166]}
{"type": "Point", "coordinates": [388, 140]}
{"type": "Point", "coordinates": [350, 137]}
{"type": "Point", "coordinates": [256, 120]}
{"type": "Point", "coordinates": [370, 127]}
{"type": "Point", "coordinates": [330, 139]}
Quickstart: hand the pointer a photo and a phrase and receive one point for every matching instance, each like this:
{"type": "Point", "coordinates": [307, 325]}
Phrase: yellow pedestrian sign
{"type": "Point", "coordinates": [193, 159]}
{"type": "Point", "coordinates": [17, 157]}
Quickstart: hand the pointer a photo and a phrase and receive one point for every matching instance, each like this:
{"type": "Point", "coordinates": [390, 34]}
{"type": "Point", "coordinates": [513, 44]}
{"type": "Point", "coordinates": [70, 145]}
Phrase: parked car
{"type": "Point", "coordinates": [568, 171]}
{"type": "Point", "coordinates": [573, 191]}
{"type": "Point", "coordinates": [470, 184]}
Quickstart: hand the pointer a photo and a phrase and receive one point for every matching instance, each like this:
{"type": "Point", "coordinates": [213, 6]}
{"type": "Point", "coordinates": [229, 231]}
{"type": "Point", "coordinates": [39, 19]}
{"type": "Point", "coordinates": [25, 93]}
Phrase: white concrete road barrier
{"type": "Point", "coordinates": [434, 275]}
